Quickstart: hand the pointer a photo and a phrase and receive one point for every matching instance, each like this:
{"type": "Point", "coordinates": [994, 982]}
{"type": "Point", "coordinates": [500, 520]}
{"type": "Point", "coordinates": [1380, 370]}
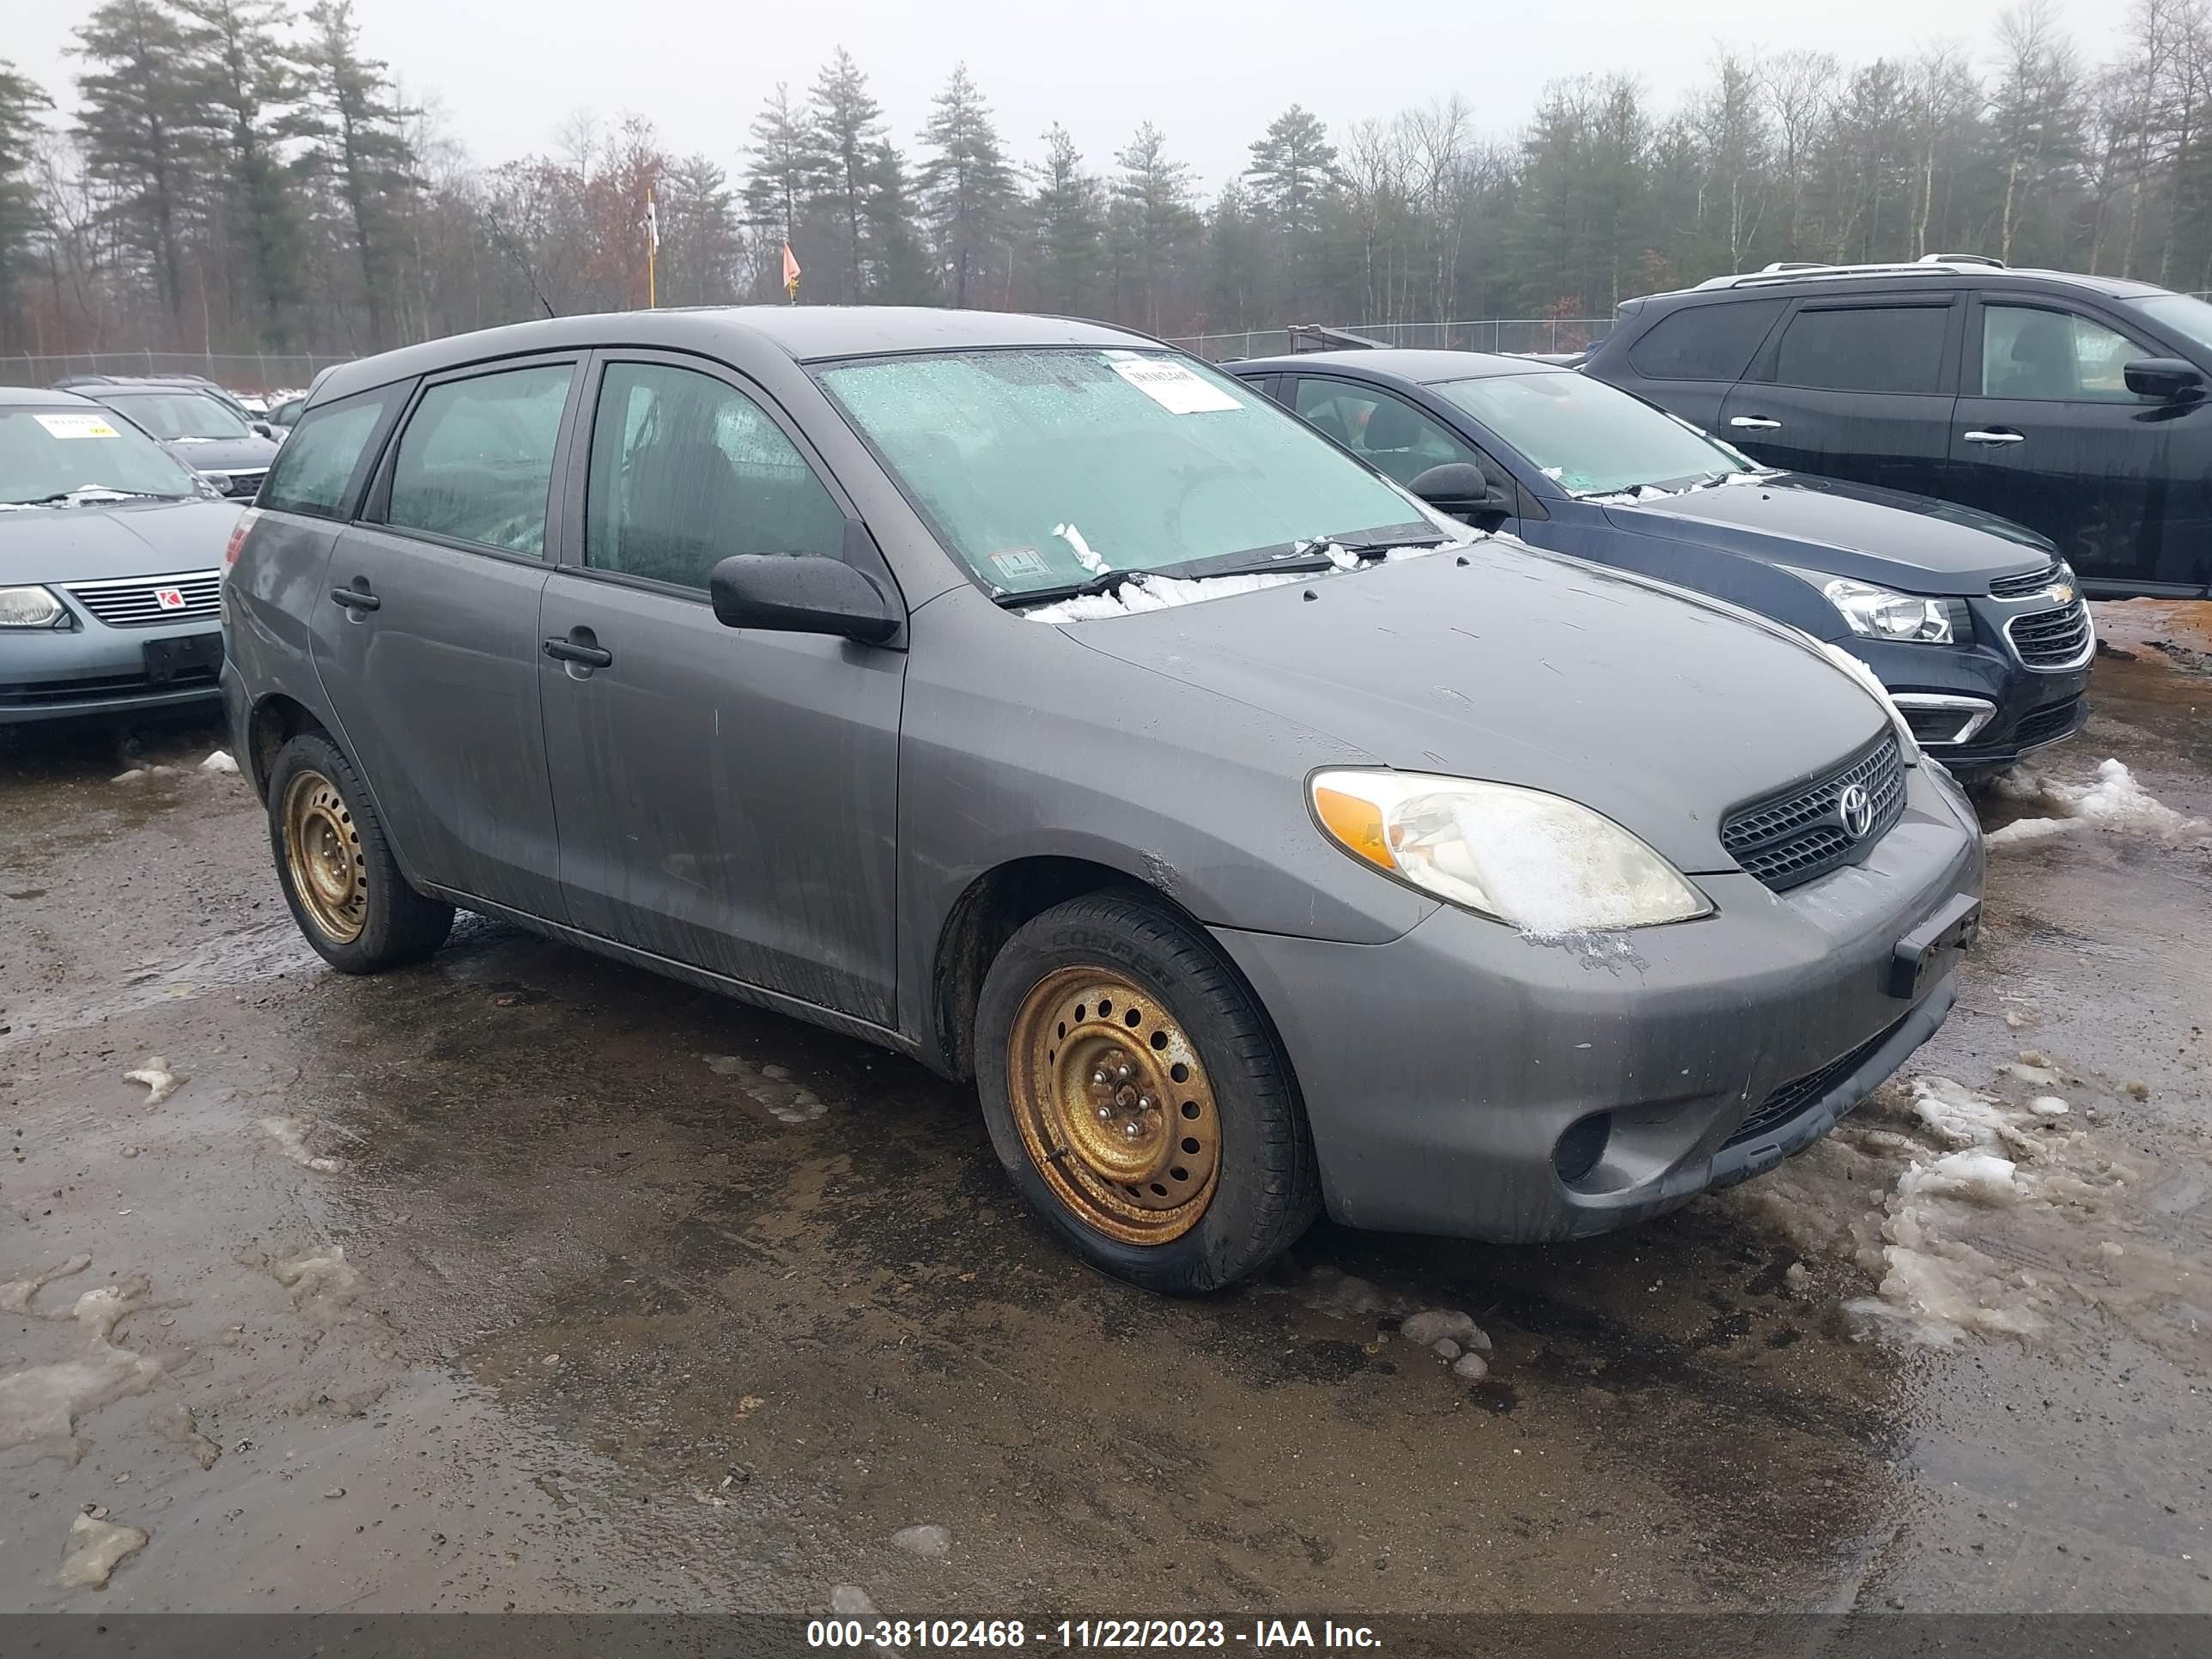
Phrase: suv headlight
{"type": "Point", "coordinates": [29, 607]}
{"type": "Point", "coordinates": [1880, 613]}
{"type": "Point", "coordinates": [1541, 863]}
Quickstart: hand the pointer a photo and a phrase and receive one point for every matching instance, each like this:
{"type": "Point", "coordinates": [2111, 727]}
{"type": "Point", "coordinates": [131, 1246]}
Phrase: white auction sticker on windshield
{"type": "Point", "coordinates": [1174, 387]}
{"type": "Point", "coordinates": [77, 426]}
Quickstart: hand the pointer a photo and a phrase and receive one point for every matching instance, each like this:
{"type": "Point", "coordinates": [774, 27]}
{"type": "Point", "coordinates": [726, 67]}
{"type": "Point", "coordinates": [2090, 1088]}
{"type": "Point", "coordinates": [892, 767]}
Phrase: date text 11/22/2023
{"type": "Point", "coordinates": [1285, 1635]}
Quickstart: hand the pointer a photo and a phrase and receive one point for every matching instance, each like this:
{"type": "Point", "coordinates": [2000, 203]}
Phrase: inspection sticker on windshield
{"type": "Point", "coordinates": [77, 426]}
{"type": "Point", "coordinates": [1174, 387]}
{"type": "Point", "coordinates": [1021, 561]}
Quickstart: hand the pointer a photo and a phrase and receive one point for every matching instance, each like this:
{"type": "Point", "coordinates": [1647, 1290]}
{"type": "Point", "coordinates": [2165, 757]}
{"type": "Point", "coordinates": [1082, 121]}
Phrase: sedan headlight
{"type": "Point", "coordinates": [1538, 862]}
{"type": "Point", "coordinates": [1880, 613]}
{"type": "Point", "coordinates": [29, 607]}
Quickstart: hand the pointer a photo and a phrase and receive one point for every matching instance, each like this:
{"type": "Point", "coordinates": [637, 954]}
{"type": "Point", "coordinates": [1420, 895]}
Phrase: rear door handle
{"type": "Point", "coordinates": [355, 599]}
{"type": "Point", "coordinates": [591, 656]}
{"type": "Point", "coordinates": [1999, 436]}
{"type": "Point", "coordinates": [1754, 424]}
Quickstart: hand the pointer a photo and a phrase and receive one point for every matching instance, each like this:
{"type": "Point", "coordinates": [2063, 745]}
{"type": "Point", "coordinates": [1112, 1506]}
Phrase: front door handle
{"type": "Point", "coordinates": [1999, 436]}
{"type": "Point", "coordinates": [355, 599]}
{"type": "Point", "coordinates": [590, 656]}
{"type": "Point", "coordinates": [1754, 424]}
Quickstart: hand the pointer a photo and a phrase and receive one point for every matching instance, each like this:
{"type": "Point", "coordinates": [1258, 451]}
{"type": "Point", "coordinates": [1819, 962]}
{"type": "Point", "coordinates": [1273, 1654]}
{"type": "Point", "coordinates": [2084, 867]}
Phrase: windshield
{"type": "Point", "coordinates": [52, 452]}
{"type": "Point", "coordinates": [2184, 313]}
{"type": "Point", "coordinates": [1045, 469]}
{"type": "Point", "coordinates": [1589, 438]}
{"type": "Point", "coordinates": [180, 415]}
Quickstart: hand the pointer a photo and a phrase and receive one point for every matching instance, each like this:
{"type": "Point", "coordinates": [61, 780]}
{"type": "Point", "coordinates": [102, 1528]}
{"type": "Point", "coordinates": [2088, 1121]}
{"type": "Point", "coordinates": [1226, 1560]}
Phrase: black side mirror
{"type": "Point", "coordinates": [1461, 488]}
{"type": "Point", "coordinates": [801, 593]}
{"type": "Point", "coordinates": [2170, 380]}
{"type": "Point", "coordinates": [262, 429]}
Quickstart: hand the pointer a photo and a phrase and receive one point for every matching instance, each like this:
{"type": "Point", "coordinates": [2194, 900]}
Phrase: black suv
{"type": "Point", "coordinates": [2073, 405]}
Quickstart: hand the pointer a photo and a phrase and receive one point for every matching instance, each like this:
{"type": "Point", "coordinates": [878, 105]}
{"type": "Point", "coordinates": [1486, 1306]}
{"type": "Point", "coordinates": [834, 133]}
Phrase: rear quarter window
{"type": "Point", "coordinates": [320, 470]}
{"type": "Point", "coordinates": [1704, 343]}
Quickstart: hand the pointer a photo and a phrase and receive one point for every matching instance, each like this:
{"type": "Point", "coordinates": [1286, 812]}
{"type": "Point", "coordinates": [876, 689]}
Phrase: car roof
{"type": "Point", "coordinates": [1404, 364]}
{"type": "Point", "coordinates": [144, 383]}
{"type": "Point", "coordinates": [42, 396]}
{"type": "Point", "coordinates": [1848, 279]}
{"type": "Point", "coordinates": [803, 333]}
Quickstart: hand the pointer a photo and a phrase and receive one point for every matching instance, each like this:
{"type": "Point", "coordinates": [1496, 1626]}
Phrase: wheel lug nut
{"type": "Point", "coordinates": [1133, 1129]}
{"type": "Point", "coordinates": [1098, 1077]}
{"type": "Point", "coordinates": [1105, 1114]}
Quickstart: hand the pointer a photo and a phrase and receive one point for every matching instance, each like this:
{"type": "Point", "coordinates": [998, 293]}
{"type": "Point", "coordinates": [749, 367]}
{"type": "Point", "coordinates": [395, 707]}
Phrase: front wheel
{"type": "Point", "coordinates": [1138, 1098]}
{"type": "Point", "coordinates": [339, 878]}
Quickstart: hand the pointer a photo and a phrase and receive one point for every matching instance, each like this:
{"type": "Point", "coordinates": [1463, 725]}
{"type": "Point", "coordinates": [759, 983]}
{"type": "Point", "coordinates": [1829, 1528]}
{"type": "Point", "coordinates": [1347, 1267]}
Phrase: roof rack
{"type": "Point", "coordinates": [1934, 264]}
{"type": "Point", "coordinates": [1313, 337]}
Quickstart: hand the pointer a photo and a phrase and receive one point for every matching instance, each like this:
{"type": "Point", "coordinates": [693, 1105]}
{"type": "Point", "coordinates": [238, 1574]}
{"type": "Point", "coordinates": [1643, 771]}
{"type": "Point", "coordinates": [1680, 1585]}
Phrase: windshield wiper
{"type": "Point", "coordinates": [1106, 581]}
{"type": "Point", "coordinates": [87, 491]}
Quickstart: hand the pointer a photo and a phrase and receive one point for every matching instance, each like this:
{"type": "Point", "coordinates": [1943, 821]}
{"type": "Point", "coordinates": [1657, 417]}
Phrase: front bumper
{"type": "Point", "coordinates": [91, 670]}
{"type": "Point", "coordinates": [2029, 707]}
{"type": "Point", "coordinates": [1440, 1070]}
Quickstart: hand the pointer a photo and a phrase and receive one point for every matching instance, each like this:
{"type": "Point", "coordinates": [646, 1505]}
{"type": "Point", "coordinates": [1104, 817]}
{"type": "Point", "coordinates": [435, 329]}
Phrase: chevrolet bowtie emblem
{"type": "Point", "coordinates": [2062, 592]}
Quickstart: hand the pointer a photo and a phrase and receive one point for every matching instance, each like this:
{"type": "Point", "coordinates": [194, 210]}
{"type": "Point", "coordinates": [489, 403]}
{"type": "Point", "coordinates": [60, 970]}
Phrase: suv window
{"type": "Point", "coordinates": [313, 472]}
{"type": "Point", "coordinates": [1864, 349]}
{"type": "Point", "coordinates": [1704, 343]}
{"type": "Point", "coordinates": [687, 471]}
{"type": "Point", "coordinates": [1390, 433]}
{"type": "Point", "coordinates": [476, 457]}
{"type": "Point", "coordinates": [2028, 352]}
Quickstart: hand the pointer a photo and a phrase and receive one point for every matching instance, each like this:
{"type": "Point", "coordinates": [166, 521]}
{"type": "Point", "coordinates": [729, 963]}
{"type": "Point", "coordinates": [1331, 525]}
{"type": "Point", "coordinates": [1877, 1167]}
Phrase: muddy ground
{"type": "Point", "coordinates": [526, 1280]}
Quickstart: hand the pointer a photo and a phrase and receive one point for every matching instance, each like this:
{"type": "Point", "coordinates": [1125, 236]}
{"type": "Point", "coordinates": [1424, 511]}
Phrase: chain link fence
{"type": "Point", "coordinates": [244, 371]}
{"type": "Point", "coordinates": [1507, 334]}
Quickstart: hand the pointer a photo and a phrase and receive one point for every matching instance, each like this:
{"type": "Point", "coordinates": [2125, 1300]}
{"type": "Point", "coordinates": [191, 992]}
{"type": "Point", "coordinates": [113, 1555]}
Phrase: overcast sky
{"type": "Point", "coordinates": [1210, 74]}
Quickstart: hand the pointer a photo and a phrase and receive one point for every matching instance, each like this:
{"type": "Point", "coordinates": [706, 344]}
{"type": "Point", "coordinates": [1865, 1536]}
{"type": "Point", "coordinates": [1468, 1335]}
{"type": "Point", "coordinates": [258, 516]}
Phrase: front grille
{"type": "Point", "coordinates": [1795, 1097]}
{"type": "Point", "coordinates": [44, 693]}
{"type": "Point", "coordinates": [2045, 724]}
{"type": "Point", "coordinates": [2052, 639]}
{"type": "Point", "coordinates": [2020, 587]}
{"type": "Point", "coordinates": [1788, 839]}
{"type": "Point", "coordinates": [138, 601]}
{"type": "Point", "coordinates": [240, 484]}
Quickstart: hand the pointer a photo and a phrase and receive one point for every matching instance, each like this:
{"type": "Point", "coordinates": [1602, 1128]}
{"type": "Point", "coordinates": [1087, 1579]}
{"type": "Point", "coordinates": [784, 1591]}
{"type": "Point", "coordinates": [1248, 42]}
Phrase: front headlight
{"type": "Point", "coordinates": [1538, 862]}
{"type": "Point", "coordinates": [29, 607]}
{"type": "Point", "coordinates": [1879, 613]}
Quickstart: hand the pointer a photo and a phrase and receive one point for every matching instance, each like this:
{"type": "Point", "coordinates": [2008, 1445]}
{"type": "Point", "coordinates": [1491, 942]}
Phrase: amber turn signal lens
{"type": "Point", "coordinates": [1355, 823]}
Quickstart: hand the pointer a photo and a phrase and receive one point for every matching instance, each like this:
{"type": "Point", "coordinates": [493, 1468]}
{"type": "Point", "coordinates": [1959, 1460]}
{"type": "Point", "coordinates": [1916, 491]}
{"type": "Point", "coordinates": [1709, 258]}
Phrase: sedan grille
{"type": "Point", "coordinates": [153, 601]}
{"type": "Point", "coordinates": [2053, 639]}
{"type": "Point", "coordinates": [2044, 723]}
{"type": "Point", "coordinates": [2021, 587]}
{"type": "Point", "coordinates": [239, 484]}
{"type": "Point", "coordinates": [1788, 839]}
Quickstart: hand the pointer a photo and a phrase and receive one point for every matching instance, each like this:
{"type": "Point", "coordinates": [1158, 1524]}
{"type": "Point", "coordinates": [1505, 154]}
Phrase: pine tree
{"type": "Point", "coordinates": [899, 265]}
{"type": "Point", "coordinates": [846, 129]}
{"type": "Point", "coordinates": [784, 160]}
{"type": "Point", "coordinates": [145, 133]}
{"type": "Point", "coordinates": [699, 242]}
{"type": "Point", "coordinates": [1155, 218]}
{"type": "Point", "coordinates": [1292, 171]}
{"type": "Point", "coordinates": [358, 147]}
{"type": "Point", "coordinates": [21, 101]}
{"type": "Point", "coordinates": [1071, 228]}
{"type": "Point", "coordinates": [257, 88]}
{"type": "Point", "coordinates": [966, 185]}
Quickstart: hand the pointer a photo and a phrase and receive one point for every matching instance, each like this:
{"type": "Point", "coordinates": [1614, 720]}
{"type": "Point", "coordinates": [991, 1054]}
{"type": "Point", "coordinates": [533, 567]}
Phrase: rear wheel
{"type": "Point", "coordinates": [1138, 1098]}
{"type": "Point", "coordinates": [339, 878]}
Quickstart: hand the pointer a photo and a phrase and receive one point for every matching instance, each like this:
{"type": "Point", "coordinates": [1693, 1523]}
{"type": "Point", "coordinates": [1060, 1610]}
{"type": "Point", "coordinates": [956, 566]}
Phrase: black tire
{"type": "Point", "coordinates": [1268, 1189]}
{"type": "Point", "coordinates": [396, 924]}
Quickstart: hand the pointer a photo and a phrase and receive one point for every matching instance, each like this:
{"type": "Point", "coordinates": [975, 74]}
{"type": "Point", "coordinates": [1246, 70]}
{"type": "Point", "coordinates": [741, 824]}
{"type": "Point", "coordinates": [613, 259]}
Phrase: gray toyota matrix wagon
{"type": "Point", "coordinates": [1039, 702]}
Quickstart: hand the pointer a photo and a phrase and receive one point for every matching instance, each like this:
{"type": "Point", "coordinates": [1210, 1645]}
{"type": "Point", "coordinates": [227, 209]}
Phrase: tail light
{"type": "Point", "coordinates": [238, 536]}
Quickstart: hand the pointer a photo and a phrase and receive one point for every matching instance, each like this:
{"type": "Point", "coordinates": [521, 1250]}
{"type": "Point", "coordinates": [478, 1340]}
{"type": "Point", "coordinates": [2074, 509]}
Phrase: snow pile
{"type": "Point", "coordinates": [1083, 557]}
{"type": "Point", "coordinates": [2115, 802]}
{"type": "Point", "coordinates": [220, 761]}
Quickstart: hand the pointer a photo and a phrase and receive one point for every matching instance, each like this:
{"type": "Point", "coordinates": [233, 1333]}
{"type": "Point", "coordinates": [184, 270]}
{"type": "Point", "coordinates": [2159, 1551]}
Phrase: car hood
{"type": "Point", "coordinates": [1660, 709]}
{"type": "Point", "coordinates": [135, 538]}
{"type": "Point", "coordinates": [1910, 542]}
{"type": "Point", "coordinates": [223, 454]}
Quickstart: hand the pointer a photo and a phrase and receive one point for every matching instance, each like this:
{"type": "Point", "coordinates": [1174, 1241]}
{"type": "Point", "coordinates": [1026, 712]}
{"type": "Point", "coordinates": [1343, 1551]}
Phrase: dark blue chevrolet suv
{"type": "Point", "coordinates": [1973, 622]}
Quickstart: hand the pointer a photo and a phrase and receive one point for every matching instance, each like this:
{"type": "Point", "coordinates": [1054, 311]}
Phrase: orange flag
{"type": "Point", "coordinates": [790, 271]}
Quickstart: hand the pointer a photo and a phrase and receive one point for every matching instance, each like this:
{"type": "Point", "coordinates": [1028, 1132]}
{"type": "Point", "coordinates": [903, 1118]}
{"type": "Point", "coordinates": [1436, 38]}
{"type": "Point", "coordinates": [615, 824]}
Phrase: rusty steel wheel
{"type": "Point", "coordinates": [1114, 1105]}
{"type": "Point", "coordinates": [323, 855]}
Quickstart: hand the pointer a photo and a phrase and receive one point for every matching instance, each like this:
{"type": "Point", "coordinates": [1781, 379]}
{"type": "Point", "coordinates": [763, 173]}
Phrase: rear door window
{"type": "Point", "coordinates": [1894, 348]}
{"type": "Point", "coordinates": [321, 467]}
{"type": "Point", "coordinates": [1711, 342]}
{"type": "Point", "coordinates": [474, 461]}
{"type": "Point", "coordinates": [687, 471]}
{"type": "Point", "coordinates": [2058, 355]}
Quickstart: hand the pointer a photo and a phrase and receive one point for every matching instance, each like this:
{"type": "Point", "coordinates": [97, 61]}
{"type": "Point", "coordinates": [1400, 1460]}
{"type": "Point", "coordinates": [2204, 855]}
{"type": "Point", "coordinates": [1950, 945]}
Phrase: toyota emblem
{"type": "Point", "coordinates": [1856, 807]}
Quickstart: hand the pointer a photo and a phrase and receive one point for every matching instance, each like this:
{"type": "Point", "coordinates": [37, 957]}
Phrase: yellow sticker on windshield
{"type": "Point", "coordinates": [77, 426]}
{"type": "Point", "coordinates": [1174, 387]}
